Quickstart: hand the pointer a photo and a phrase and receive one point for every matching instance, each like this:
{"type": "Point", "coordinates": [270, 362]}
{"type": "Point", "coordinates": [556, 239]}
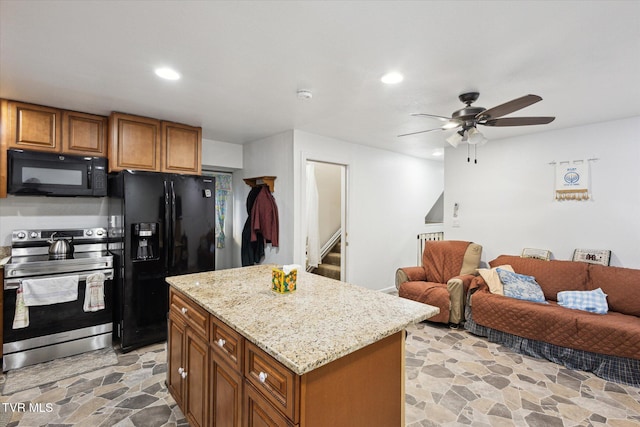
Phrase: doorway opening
{"type": "Point", "coordinates": [326, 235]}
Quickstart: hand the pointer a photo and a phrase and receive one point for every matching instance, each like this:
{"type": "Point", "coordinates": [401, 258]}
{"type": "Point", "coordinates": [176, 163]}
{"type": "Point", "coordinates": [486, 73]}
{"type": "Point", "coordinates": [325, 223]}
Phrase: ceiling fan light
{"type": "Point", "coordinates": [454, 139]}
{"type": "Point", "coordinates": [474, 136]}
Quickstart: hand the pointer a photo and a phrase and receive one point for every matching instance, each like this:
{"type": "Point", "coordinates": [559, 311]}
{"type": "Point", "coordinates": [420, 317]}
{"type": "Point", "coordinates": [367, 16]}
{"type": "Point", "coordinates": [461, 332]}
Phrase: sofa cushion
{"type": "Point", "coordinates": [613, 333]}
{"type": "Point", "coordinates": [490, 275]}
{"type": "Point", "coordinates": [552, 276]}
{"type": "Point", "coordinates": [443, 259]}
{"type": "Point", "coordinates": [592, 301]}
{"type": "Point", "coordinates": [435, 294]}
{"type": "Point", "coordinates": [622, 285]}
{"type": "Point", "coordinates": [520, 286]}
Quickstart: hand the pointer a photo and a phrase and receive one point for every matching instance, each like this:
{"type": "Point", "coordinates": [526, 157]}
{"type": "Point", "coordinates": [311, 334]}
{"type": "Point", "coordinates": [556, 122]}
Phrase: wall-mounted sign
{"type": "Point", "coordinates": [572, 180]}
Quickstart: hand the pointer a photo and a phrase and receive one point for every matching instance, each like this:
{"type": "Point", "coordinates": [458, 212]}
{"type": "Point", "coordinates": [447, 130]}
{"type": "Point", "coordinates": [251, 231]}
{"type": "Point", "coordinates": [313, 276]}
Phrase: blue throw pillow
{"type": "Point", "coordinates": [521, 286]}
{"type": "Point", "coordinates": [592, 301]}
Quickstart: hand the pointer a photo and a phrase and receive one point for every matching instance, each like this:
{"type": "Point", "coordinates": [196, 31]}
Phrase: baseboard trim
{"type": "Point", "coordinates": [389, 290]}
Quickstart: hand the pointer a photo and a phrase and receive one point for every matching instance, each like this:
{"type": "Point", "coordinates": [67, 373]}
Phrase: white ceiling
{"type": "Point", "coordinates": [243, 61]}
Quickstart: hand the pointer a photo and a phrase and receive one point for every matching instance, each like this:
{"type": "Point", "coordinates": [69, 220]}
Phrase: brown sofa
{"type": "Point", "coordinates": [608, 345]}
{"type": "Point", "coordinates": [443, 278]}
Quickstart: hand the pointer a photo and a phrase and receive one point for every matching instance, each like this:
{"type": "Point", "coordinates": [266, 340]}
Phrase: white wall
{"type": "Point", "coordinates": [268, 157]}
{"type": "Point", "coordinates": [28, 212]}
{"type": "Point", "coordinates": [388, 195]}
{"type": "Point", "coordinates": [506, 200]}
{"type": "Point", "coordinates": [221, 156]}
{"type": "Point", "coordinates": [328, 179]}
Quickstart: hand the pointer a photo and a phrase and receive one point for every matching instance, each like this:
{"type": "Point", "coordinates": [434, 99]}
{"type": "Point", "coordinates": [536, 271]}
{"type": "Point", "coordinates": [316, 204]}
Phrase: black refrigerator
{"type": "Point", "coordinates": [159, 225]}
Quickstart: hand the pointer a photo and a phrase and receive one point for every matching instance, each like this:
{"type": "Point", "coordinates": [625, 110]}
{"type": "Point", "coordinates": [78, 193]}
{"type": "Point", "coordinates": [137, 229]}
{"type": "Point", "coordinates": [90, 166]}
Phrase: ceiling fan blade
{"type": "Point", "coordinates": [518, 121]}
{"type": "Point", "coordinates": [422, 131]}
{"type": "Point", "coordinates": [441, 118]}
{"type": "Point", "coordinates": [450, 123]}
{"type": "Point", "coordinates": [508, 107]}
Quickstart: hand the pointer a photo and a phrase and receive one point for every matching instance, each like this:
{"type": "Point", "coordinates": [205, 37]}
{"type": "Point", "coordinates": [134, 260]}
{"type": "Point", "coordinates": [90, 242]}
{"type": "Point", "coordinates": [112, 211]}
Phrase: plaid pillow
{"type": "Point", "coordinates": [592, 301]}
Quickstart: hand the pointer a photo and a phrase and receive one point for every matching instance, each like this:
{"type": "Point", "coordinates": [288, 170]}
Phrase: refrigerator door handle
{"type": "Point", "coordinates": [172, 224]}
{"type": "Point", "coordinates": [167, 227]}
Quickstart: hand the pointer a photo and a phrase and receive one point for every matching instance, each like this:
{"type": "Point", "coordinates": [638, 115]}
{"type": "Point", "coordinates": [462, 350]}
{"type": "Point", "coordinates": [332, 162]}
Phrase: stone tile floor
{"type": "Point", "coordinates": [452, 378]}
{"type": "Point", "coordinates": [131, 393]}
{"type": "Point", "coordinates": [455, 378]}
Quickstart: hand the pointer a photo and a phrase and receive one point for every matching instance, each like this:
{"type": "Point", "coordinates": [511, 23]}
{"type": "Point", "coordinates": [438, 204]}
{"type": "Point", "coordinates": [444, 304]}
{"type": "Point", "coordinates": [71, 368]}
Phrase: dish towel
{"type": "Point", "coordinates": [53, 290]}
{"type": "Point", "coordinates": [21, 316]}
{"type": "Point", "coordinates": [94, 293]}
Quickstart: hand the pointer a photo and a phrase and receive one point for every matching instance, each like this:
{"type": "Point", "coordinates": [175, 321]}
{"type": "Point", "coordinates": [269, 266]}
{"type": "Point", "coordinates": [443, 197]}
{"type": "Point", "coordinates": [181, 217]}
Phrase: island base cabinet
{"type": "Point", "coordinates": [228, 381]}
{"type": "Point", "coordinates": [361, 389]}
{"type": "Point", "coordinates": [226, 395]}
{"type": "Point", "coordinates": [259, 412]}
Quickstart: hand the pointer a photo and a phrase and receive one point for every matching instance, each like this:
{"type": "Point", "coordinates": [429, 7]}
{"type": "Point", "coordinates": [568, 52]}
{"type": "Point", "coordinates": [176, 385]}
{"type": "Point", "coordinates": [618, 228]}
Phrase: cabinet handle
{"type": "Point", "coordinates": [262, 376]}
{"type": "Point", "coordinates": [184, 310]}
{"type": "Point", "coordinates": [184, 375]}
{"type": "Point", "coordinates": [180, 370]}
{"type": "Point", "coordinates": [221, 342]}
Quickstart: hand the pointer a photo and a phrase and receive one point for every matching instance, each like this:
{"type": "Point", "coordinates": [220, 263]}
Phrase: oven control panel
{"type": "Point", "coordinates": [45, 235]}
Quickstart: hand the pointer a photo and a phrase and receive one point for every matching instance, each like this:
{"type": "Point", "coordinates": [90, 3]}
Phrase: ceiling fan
{"type": "Point", "coordinates": [469, 117]}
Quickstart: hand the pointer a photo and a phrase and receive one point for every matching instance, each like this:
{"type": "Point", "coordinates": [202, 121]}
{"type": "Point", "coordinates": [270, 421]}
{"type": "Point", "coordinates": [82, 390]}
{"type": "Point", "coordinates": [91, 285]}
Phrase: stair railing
{"type": "Point", "coordinates": [324, 250]}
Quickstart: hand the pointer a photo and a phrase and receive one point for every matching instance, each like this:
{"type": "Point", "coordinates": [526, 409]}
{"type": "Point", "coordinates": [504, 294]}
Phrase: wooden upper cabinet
{"type": "Point", "coordinates": [36, 127]}
{"type": "Point", "coordinates": [181, 148]}
{"type": "Point", "coordinates": [33, 127]}
{"type": "Point", "coordinates": [84, 134]}
{"type": "Point", "coordinates": [134, 143]}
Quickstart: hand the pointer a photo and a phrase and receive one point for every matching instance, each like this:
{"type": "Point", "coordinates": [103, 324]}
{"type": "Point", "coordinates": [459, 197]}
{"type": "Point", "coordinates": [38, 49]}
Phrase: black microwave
{"type": "Point", "coordinates": [36, 173]}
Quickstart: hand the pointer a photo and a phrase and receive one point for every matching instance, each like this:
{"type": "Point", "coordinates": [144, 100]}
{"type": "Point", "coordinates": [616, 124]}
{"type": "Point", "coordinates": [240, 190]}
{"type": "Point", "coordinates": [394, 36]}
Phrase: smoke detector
{"type": "Point", "coordinates": [304, 94]}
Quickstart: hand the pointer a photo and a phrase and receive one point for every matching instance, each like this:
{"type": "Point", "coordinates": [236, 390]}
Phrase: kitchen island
{"type": "Point", "coordinates": [328, 354]}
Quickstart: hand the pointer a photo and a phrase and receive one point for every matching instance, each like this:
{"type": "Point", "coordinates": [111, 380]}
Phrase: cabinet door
{"type": "Point", "coordinates": [33, 127]}
{"type": "Point", "coordinates": [226, 394]}
{"type": "Point", "coordinates": [277, 383]}
{"type": "Point", "coordinates": [197, 373]}
{"type": "Point", "coordinates": [84, 134]}
{"type": "Point", "coordinates": [181, 148]}
{"type": "Point", "coordinates": [175, 366]}
{"type": "Point", "coordinates": [258, 412]}
{"type": "Point", "coordinates": [134, 143]}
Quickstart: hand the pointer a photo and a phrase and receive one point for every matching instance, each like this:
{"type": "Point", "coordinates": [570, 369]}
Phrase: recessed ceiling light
{"type": "Point", "coordinates": [437, 153]}
{"type": "Point", "coordinates": [167, 73]}
{"type": "Point", "coordinates": [304, 94]}
{"type": "Point", "coordinates": [392, 78]}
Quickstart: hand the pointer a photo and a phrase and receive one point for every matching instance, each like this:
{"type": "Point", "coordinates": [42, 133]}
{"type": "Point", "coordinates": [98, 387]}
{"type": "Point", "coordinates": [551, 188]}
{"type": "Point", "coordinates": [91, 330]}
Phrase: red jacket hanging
{"type": "Point", "coordinates": [264, 217]}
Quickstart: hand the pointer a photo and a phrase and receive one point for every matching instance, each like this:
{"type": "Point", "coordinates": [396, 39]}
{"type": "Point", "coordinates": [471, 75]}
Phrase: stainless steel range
{"type": "Point", "coordinates": [58, 329]}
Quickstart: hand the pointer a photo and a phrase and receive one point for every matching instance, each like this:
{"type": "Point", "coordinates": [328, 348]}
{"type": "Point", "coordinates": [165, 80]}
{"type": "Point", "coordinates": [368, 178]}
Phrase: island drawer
{"type": "Point", "coordinates": [227, 343]}
{"type": "Point", "coordinates": [195, 316]}
{"type": "Point", "coordinates": [273, 380]}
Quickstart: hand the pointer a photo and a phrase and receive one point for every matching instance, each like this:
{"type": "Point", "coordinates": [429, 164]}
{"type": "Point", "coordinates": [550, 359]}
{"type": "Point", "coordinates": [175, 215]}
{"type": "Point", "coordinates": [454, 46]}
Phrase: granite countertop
{"type": "Point", "coordinates": [322, 321]}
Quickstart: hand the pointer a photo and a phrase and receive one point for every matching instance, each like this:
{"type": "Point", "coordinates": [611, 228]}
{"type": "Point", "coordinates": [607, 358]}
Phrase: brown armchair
{"type": "Point", "coordinates": [448, 266]}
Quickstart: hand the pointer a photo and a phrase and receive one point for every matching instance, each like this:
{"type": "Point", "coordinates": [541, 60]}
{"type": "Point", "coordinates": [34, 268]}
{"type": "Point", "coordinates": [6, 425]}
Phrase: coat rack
{"type": "Point", "coordinates": [261, 180]}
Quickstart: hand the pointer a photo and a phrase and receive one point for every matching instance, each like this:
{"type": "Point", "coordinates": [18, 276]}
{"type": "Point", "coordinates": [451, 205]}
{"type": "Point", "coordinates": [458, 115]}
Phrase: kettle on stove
{"type": "Point", "coordinates": [61, 248]}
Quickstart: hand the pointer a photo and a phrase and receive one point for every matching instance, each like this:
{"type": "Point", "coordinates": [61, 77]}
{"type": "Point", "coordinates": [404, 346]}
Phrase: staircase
{"type": "Point", "coordinates": [330, 266]}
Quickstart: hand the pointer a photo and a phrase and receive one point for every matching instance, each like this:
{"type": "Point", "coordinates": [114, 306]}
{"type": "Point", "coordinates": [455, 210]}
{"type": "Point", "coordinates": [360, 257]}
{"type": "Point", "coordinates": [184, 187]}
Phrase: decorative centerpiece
{"type": "Point", "coordinates": [283, 280]}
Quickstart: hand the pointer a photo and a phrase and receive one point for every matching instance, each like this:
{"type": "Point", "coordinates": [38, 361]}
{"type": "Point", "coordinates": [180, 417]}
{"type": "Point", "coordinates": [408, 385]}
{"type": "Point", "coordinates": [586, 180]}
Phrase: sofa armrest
{"type": "Point", "coordinates": [477, 283]}
{"type": "Point", "coordinates": [410, 274]}
{"type": "Point", "coordinates": [466, 280]}
{"type": "Point", "coordinates": [457, 287]}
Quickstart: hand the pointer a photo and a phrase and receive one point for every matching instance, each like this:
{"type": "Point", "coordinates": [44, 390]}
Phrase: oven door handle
{"type": "Point", "coordinates": [15, 283]}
